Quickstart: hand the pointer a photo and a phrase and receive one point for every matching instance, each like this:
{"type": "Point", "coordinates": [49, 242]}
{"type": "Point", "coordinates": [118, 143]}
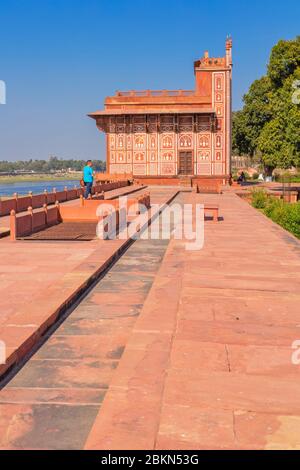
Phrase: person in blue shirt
{"type": "Point", "coordinates": [88, 178]}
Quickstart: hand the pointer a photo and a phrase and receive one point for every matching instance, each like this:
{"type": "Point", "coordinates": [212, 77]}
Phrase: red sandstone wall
{"type": "Point", "coordinates": [156, 152]}
{"type": "Point", "coordinates": [7, 206]}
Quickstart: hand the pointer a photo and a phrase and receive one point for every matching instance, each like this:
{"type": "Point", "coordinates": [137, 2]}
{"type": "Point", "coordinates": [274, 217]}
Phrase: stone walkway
{"type": "Point", "coordinates": [206, 365]}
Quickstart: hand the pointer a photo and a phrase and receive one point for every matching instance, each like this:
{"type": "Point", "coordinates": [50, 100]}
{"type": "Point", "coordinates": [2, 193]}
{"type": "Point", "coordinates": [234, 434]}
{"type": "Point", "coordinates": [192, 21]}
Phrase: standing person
{"type": "Point", "coordinates": [88, 178]}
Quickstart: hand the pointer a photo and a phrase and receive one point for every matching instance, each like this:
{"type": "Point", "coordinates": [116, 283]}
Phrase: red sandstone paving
{"type": "Point", "coordinates": [21, 425]}
{"type": "Point", "coordinates": [64, 383]}
{"type": "Point", "coordinates": [182, 426]}
{"type": "Point", "coordinates": [227, 381]}
{"type": "Point", "coordinates": [37, 278]}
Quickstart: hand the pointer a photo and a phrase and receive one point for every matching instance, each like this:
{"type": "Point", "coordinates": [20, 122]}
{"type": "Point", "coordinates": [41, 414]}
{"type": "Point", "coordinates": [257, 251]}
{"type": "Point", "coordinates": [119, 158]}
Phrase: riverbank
{"type": "Point", "coordinates": [40, 178]}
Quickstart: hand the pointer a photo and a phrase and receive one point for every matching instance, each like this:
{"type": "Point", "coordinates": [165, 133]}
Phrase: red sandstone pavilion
{"type": "Point", "coordinates": [155, 135]}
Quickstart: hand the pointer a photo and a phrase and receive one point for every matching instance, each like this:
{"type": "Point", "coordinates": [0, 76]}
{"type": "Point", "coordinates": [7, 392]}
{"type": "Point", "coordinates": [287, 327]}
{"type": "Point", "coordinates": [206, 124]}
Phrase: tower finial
{"type": "Point", "coordinates": [229, 51]}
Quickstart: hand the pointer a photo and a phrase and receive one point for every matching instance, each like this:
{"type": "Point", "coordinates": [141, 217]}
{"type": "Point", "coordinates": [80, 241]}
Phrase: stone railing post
{"type": "Point", "coordinates": [13, 225]}
{"type": "Point", "coordinates": [30, 210]}
{"type": "Point", "coordinates": [46, 196]}
{"type": "Point", "coordinates": [58, 211]}
{"type": "Point", "coordinates": [45, 207]}
{"type": "Point", "coordinates": [54, 192]}
{"type": "Point", "coordinates": [16, 201]}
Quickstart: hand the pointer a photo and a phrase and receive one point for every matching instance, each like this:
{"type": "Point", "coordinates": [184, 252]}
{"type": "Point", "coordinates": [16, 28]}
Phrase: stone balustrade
{"type": "Point", "coordinates": [32, 221]}
{"type": "Point", "coordinates": [21, 203]}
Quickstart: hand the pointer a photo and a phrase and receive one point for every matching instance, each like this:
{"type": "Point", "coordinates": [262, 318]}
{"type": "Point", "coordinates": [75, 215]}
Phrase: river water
{"type": "Point", "coordinates": [37, 187]}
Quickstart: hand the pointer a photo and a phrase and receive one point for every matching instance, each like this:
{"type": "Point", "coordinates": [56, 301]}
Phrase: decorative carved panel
{"type": "Point", "coordinates": [218, 141]}
{"type": "Point", "coordinates": [185, 123]}
{"type": "Point", "coordinates": [121, 157]}
{"type": "Point", "coordinates": [218, 169]}
{"type": "Point", "coordinates": [219, 125]}
{"type": "Point", "coordinates": [168, 169]}
{"type": "Point", "coordinates": [152, 141]}
{"type": "Point", "coordinates": [153, 156]}
{"type": "Point", "coordinates": [185, 141]}
{"type": "Point", "coordinates": [120, 168]}
{"type": "Point", "coordinates": [219, 82]}
{"type": "Point", "coordinates": [139, 157]}
{"type": "Point", "coordinates": [204, 169]}
{"type": "Point", "coordinates": [140, 141]}
{"type": "Point", "coordinates": [218, 156]}
{"type": "Point", "coordinates": [167, 156]}
{"type": "Point", "coordinates": [167, 123]}
{"type": "Point", "coordinates": [204, 155]}
{"type": "Point", "coordinates": [153, 169]}
{"type": "Point", "coordinates": [204, 141]}
{"type": "Point", "coordinates": [139, 169]}
{"type": "Point", "coordinates": [219, 110]}
{"type": "Point", "coordinates": [112, 141]}
{"type": "Point", "coordinates": [167, 142]}
{"type": "Point", "coordinates": [139, 124]}
{"type": "Point", "coordinates": [120, 140]}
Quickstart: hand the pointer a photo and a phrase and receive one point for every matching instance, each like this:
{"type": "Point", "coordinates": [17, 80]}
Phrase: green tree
{"type": "Point", "coordinates": [269, 123]}
{"type": "Point", "coordinates": [284, 60]}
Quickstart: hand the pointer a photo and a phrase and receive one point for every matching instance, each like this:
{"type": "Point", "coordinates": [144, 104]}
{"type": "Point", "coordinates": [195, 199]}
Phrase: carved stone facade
{"type": "Point", "coordinates": [167, 133]}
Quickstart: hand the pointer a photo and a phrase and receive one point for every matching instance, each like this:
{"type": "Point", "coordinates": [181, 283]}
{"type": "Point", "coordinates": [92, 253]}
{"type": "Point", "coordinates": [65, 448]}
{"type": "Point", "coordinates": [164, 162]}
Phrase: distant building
{"type": "Point", "coordinates": [155, 134]}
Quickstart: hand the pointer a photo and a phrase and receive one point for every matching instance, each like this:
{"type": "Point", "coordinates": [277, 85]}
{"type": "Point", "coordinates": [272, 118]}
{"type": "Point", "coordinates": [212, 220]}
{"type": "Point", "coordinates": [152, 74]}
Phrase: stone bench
{"type": "Point", "coordinates": [209, 188]}
{"type": "Point", "coordinates": [213, 210]}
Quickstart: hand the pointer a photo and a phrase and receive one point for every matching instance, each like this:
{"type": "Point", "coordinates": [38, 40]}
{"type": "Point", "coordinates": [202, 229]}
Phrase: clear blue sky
{"type": "Point", "coordinates": [60, 58]}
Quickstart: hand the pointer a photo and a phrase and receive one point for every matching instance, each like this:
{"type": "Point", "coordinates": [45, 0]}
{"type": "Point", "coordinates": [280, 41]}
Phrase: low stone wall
{"type": "Point", "coordinates": [21, 203]}
{"type": "Point", "coordinates": [108, 177]}
{"type": "Point", "coordinates": [86, 211]}
{"type": "Point", "coordinates": [157, 181]}
{"type": "Point", "coordinates": [208, 186]}
{"type": "Point", "coordinates": [98, 188]}
{"type": "Point", "coordinates": [33, 221]}
{"type": "Point", "coordinates": [287, 196]}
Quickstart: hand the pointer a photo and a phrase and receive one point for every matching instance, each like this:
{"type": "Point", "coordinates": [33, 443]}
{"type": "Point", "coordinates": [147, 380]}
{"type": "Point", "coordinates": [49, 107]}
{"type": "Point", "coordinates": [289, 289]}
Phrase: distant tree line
{"type": "Point", "coordinates": [48, 166]}
{"type": "Point", "coordinates": [268, 125]}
